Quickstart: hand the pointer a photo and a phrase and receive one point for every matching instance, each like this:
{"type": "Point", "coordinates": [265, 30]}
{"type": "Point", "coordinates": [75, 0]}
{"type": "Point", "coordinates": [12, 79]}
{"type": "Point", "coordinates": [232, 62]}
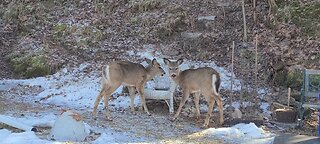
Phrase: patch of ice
{"type": "Point", "coordinates": [235, 105]}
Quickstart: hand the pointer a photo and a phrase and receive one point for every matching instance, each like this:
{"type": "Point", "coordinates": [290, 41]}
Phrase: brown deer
{"type": "Point", "coordinates": [132, 75]}
{"type": "Point", "coordinates": [205, 81]}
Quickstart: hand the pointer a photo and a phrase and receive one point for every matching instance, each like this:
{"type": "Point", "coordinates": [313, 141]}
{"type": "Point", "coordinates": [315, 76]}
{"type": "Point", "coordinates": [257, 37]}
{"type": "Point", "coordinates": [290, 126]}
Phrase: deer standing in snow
{"type": "Point", "coordinates": [132, 75]}
{"type": "Point", "coordinates": [205, 81]}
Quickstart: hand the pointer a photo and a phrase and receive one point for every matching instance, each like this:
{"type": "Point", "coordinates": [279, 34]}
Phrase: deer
{"type": "Point", "coordinates": [132, 75]}
{"type": "Point", "coordinates": [201, 81]}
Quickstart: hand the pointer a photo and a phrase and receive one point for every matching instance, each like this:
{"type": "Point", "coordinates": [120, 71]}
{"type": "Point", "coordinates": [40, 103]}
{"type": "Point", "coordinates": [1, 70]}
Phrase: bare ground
{"type": "Point", "coordinates": [156, 128]}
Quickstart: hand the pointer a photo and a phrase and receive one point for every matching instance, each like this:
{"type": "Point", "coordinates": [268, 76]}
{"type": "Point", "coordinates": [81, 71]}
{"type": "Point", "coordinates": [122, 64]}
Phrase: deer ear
{"type": "Point", "coordinates": [147, 60]}
{"type": "Point", "coordinates": [180, 61]}
{"type": "Point", "coordinates": [154, 61]}
{"type": "Point", "coordinates": [166, 61]}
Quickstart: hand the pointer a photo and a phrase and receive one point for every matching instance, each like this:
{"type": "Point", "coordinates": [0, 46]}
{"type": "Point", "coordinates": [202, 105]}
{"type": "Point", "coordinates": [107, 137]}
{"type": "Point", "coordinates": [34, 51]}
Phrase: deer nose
{"type": "Point", "coordinates": [173, 75]}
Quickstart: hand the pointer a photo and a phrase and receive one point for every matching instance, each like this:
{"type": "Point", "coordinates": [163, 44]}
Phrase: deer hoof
{"type": "Point", "coordinates": [172, 119]}
{"type": "Point", "coordinates": [204, 126]}
{"type": "Point", "coordinates": [109, 119]}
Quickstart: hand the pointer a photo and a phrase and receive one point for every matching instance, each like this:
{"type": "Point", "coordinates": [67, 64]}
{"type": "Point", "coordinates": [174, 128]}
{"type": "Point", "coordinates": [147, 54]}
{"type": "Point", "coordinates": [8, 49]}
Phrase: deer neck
{"type": "Point", "coordinates": [149, 74]}
{"type": "Point", "coordinates": [177, 79]}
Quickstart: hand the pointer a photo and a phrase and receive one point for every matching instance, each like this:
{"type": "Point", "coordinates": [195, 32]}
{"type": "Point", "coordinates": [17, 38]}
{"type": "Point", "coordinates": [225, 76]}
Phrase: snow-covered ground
{"type": "Point", "coordinates": [77, 89]}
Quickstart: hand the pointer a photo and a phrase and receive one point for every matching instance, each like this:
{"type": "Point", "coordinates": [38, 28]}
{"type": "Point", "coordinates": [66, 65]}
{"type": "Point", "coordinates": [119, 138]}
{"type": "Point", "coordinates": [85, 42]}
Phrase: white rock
{"type": "Point", "coordinates": [191, 35]}
{"type": "Point", "coordinates": [210, 18]}
{"type": "Point", "coordinates": [68, 127]}
{"type": "Point", "coordinates": [237, 114]}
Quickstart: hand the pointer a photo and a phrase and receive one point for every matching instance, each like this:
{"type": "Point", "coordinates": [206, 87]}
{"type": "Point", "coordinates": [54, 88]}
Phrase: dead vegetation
{"type": "Point", "coordinates": [41, 36]}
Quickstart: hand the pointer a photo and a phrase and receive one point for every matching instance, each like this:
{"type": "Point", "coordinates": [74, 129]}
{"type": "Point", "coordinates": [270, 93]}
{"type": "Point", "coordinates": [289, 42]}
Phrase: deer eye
{"type": "Point", "coordinates": [176, 68]}
{"type": "Point", "coordinates": [170, 68]}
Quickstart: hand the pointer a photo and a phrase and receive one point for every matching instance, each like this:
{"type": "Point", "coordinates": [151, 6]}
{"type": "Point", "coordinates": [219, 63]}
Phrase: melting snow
{"type": "Point", "coordinates": [264, 106]}
{"type": "Point", "coordinates": [73, 88]}
{"type": "Point", "coordinates": [240, 133]}
{"type": "Point", "coordinates": [236, 105]}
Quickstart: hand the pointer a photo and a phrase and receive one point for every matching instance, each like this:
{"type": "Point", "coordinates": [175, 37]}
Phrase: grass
{"type": "Point", "coordinates": [145, 5]}
{"type": "Point", "coordinates": [29, 66]}
{"type": "Point", "coordinates": [306, 17]}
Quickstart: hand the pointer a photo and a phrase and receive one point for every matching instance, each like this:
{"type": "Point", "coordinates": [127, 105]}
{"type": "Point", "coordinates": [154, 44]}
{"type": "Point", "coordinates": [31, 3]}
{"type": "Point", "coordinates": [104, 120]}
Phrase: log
{"type": "Point", "coordinates": [15, 123]}
{"type": "Point", "coordinates": [281, 106]}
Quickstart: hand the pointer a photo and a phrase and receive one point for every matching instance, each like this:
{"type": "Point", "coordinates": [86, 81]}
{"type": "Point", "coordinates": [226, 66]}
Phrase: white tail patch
{"type": "Point", "coordinates": [214, 80]}
{"type": "Point", "coordinates": [107, 74]}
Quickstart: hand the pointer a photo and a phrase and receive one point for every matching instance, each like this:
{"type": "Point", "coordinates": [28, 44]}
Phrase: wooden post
{"type": "Point", "coordinates": [244, 23]}
{"type": "Point", "coordinates": [232, 59]}
{"type": "Point", "coordinates": [289, 95]}
{"type": "Point", "coordinates": [256, 66]}
{"type": "Point", "coordinates": [254, 12]}
{"type": "Point", "coordinates": [224, 17]}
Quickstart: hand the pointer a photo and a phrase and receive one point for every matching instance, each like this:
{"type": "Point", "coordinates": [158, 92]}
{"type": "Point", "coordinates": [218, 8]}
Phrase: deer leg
{"type": "Point", "coordinates": [96, 103]}
{"type": "Point", "coordinates": [143, 100]}
{"type": "Point", "coordinates": [182, 102]}
{"type": "Point", "coordinates": [196, 102]}
{"type": "Point", "coordinates": [210, 109]}
{"type": "Point", "coordinates": [132, 91]}
{"type": "Point", "coordinates": [109, 91]}
{"type": "Point", "coordinates": [220, 106]}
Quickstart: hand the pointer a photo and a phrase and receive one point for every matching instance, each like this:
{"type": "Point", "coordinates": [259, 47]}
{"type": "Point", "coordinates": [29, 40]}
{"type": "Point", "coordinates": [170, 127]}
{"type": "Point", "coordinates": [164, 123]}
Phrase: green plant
{"type": "Point", "coordinates": [30, 65]}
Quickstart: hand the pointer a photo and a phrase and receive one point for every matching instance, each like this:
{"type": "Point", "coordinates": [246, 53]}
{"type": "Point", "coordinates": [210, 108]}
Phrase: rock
{"type": "Point", "coordinates": [237, 114]}
{"type": "Point", "coordinates": [191, 35]}
{"type": "Point", "coordinates": [68, 127]}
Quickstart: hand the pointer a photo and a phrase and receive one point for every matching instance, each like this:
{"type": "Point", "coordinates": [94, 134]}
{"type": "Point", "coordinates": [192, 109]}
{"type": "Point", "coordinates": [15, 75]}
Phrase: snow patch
{"type": "Point", "coordinates": [42, 121]}
{"type": "Point", "coordinates": [210, 18]}
{"type": "Point", "coordinates": [240, 133]}
{"type": "Point", "coordinates": [265, 106]}
{"type": "Point", "coordinates": [21, 138]}
{"type": "Point", "coordinates": [236, 105]}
